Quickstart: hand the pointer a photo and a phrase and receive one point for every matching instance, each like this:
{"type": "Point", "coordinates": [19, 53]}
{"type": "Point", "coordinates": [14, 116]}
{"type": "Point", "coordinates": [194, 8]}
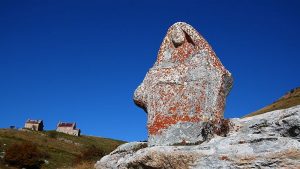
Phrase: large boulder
{"type": "Point", "coordinates": [184, 92]}
{"type": "Point", "coordinates": [270, 140]}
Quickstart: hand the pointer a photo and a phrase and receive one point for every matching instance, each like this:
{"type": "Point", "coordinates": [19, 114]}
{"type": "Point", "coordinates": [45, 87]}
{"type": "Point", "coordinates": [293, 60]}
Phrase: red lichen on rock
{"type": "Point", "coordinates": [162, 122]}
{"type": "Point", "coordinates": [186, 86]}
{"type": "Point", "coordinates": [183, 52]}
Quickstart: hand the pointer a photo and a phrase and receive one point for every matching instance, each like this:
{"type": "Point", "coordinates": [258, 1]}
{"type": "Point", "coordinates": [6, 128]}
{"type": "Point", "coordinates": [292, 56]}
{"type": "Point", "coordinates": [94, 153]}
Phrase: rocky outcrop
{"type": "Point", "coordinates": [184, 95]}
{"type": "Point", "coordinates": [270, 140]}
{"type": "Point", "coordinates": [184, 92]}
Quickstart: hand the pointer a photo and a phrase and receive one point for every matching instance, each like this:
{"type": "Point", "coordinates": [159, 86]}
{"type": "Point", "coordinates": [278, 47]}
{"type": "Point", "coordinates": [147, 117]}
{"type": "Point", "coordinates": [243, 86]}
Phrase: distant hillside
{"type": "Point", "coordinates": [292, 98]}
{"type": "Point", "coordinates": [62, 150]}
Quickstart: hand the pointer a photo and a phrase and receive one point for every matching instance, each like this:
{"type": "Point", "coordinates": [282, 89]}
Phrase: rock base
{"type": "Point", "coordinates": [270, 140]}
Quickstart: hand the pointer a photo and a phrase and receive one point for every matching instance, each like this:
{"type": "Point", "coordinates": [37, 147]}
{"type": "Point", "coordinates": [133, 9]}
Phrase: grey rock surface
{"type": "Point", "coordinates": [184, 93]}
{"type": "Point", "coordinates": [270, 140]}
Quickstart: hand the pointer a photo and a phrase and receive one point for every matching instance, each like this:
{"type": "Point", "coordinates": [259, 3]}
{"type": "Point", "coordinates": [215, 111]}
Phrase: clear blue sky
{"type": "Point", "coordinates": [81, 61]}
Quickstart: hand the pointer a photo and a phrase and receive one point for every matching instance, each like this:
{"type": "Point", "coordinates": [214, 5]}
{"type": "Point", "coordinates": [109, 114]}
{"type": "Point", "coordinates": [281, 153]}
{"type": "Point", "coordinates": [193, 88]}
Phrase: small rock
{"type": "Point", "coordinates": [46, 162]}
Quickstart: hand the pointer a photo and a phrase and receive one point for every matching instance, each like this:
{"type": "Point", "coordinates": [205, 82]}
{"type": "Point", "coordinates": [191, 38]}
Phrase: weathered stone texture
{"type": "Point", "coordinates": [184, 92]}
{"type": "Point", "coordinates": [270, 140]}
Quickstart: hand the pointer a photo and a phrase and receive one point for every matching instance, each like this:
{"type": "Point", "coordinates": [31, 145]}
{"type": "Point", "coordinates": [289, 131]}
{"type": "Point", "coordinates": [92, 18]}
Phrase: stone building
{"type": "Point", "coordinates": [36, 125]}
{"type": "Point", "coordinates": [68, 128]}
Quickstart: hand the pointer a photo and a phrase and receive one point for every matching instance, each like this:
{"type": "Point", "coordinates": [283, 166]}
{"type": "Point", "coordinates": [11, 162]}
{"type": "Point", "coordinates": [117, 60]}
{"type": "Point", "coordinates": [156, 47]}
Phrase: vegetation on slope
{"type": "Point", "coordinates": [58, 150]}
{"type": "Point", "coordinates": [292, 98]}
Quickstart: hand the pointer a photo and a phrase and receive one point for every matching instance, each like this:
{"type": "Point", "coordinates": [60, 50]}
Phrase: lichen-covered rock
{"type": "Point", "coordinates": [270, 140]}
{"type": "Point", "coordinates": [184, 92]}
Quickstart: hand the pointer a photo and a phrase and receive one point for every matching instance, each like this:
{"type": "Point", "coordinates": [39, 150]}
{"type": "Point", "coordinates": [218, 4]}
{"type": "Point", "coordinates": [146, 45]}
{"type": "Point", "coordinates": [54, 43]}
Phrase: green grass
{"type": "Point", "coordinates": [61, 148]}
{"type": "Point", "coordinates": [290, 99]}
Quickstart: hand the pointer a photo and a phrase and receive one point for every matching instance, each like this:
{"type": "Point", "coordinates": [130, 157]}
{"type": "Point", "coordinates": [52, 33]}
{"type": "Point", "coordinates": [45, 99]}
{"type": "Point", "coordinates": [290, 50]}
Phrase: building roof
{"type": "Point", "coordinates": [34, 121]}
{"type": "Point", "coordinates": [63, 124]}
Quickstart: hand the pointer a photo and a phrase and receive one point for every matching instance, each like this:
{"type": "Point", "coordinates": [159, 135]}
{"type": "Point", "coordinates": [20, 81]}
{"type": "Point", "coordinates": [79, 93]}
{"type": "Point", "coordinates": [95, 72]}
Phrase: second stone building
{"type": "Point", "coordinates": [68, 128]}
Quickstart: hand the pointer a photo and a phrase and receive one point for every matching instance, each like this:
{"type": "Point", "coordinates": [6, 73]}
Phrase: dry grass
{"type": "Point", "coordinates": [62, 149]}
{"type": "Point", "coordinates": [84, 165]}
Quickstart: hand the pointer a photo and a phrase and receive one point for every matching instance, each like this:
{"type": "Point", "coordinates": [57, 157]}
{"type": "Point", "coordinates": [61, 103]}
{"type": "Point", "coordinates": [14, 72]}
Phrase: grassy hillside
{"type": "Point", "coordinates": [292, 98]}
{"type": "Point", "coordinates": [62, 150]}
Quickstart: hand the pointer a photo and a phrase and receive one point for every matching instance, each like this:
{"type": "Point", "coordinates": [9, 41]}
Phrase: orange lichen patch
{"type": "Point", "coordinates": [247, 159]}
{"type": "Point", "coordinates": [198, 109]}
{"type": "Point", "coordinates": [194, 41]}
{"type": "Point", "coordinates": [162, 122]}
{"type": "Point", "coordinates": [224, 158]}
{"type": "Point", "coordinates": [173, 109]}
{"type": "Point", "coordinates": [165, 71]}
{"type": "Point", "coordinates": [183, 52]}
{"type": "Point", "coordinates": [183, 106]}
